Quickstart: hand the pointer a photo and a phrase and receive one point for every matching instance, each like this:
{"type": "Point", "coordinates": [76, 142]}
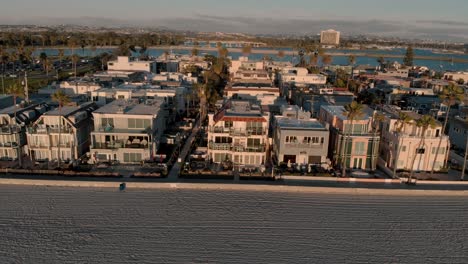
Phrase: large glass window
{"type": "Point", "coordinates": [107, 121]}
{"type": "Point", "coordinates": [139, 123]}
{"type": "Point", "coordinates": [359, 148]}
{"type": "Point", "coordinates": [132, 157]}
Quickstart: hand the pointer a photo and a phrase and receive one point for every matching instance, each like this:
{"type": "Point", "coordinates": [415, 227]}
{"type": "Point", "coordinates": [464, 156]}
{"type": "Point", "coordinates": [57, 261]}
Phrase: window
{"type": "Point", "coordinates": [253, 142]}
{"type": "Point", "coordinates": [441, 150]}
{"type": "Point", "coordinates": [359, 148]}
{"type": "Point", "coordinates": [420, 151]}
{"type": "Point", "coordinates": [403, 148]}
{"type": "Point", "coordinates": [307, 140]}
{"type": "Point", "coordinates": [228, 124]}
{"type": "Point", "coordinates": [107, 121]}
{"type": "Point", "coordinates": [132, 157]}
{"type": "Point", "coordinates": [291, 139]}
{"type": "Point", "coordinates": [139, 123]}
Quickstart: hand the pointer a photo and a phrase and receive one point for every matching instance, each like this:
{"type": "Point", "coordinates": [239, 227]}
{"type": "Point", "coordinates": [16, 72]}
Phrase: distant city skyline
{"type": "Point", "coordinates": [418, 18]}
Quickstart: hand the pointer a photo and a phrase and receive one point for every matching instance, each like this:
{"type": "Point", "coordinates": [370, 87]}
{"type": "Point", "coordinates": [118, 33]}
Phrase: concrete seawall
{"type": "Point", "coordinates": [231, 187]}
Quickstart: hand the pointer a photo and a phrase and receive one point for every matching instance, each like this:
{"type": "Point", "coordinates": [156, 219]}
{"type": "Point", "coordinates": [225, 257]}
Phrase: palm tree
{"type": "Point", "coordinates": [351, 60]}
{"type": "Point", "coordinates": [352, 111]}
{"type": "Point", "coordinates": [403, 120]}
{"type": "Point", "coordinates": [451, 95]}
{"type": "Point", "coordinates": [72, 43]}
{"type": "Point", "coordinates": [166, 55]}
{"type": "Point", "coordinates": [246, 50]}
{"type": "Point", "coordinates": [281, 54]}
{"type": "Point", "coordinates": [223, 52]}
{"type": "Point", "coordinates": [424, 123]}
{"type": "Point", "coordinates": [17, 90]}
{"type": "Point", "coordinates": [43, 58]}
{"type": "Point", "coordinates": [4, 57]}
{"type": "Point", "coordinates": [376, 121]}
{"type": "Point", "coordinates": [200, 88]}
{"type": "Point", "coordinates": [327, 59]}
{"type": "Point", "coordinates": [75, 58]}
{"type": "Point", "coordinates": [62, 99]}
{"type": "Point", "coordinates": [61, 54]}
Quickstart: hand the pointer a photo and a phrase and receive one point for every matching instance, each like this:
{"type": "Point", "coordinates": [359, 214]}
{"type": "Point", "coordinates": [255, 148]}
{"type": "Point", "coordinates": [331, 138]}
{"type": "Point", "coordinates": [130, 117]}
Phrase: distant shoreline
{"type": "Point", "coordinates": [446, 57]}
{"type": "Point", "coordinates": [230, 187]}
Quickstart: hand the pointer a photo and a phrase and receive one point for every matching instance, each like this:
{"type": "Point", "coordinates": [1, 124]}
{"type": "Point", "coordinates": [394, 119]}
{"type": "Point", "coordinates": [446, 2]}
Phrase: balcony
{"type": "Point", "coordinates": [220, 146]}
{"type": "Point", "coordinates": [233, 132]}
{"type": "Point", "coordinates": [118, 145]}
{"type": "Point", "coordinates": [242, 148]}
{"type": "Point", "coordinates": [248, 132]}
{"type": "Point", "coordinates": [49, 130]}
{"type": "Point", "coordinates": [10, 129]}
{"type": "Point", "coordinates": [219, 130]}
{"type": "Point", "coordinates": [9, 145]}
{"type": "Point", "coordinates": [304, 146]}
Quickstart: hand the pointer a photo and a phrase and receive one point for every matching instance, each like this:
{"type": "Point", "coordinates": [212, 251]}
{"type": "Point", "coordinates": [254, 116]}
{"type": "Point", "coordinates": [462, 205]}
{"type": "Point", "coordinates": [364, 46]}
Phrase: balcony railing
{"type": "Point", "coordinates": [236, 148]}
{"type": "Point", "coordinates": [9, 144]}
{"type": "Point", "coordinates": [118, 145]}
{"type": "Point", "coordinates": [303, 145]}
{"type": "Point", "coordinates": [220, 146]}
{"type": "Point", "coordinates": [49, 130]}
{"type": "Point", "coordinates": [241, 148]}
{"type": "Point", "coordinates": [7, 130]}
{"type": "Point", "coordinates": [239, 132]}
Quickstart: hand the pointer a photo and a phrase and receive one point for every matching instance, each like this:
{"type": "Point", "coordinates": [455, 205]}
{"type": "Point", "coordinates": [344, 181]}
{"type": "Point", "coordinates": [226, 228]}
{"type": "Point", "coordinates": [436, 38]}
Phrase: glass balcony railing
{"type": "Point", "coordinates": [49, 130]}
{"type": "Point", "coordinates": [239, 132]}
{"type": "Point", "coordinates": [7, 130]}
{"type": "Point", "coordinates": [119, 145]}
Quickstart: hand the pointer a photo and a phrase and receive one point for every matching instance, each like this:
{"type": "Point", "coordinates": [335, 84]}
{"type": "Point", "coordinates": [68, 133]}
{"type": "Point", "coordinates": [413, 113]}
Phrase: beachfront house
{"type": "Point", "coordinates": [361, 151]}
{"type": "Point", "coordinates": [297, 138]}
{"type": "Point", "coordinates": [128, 131]}
{"type": "Point", "coordinates": [73, 124]}
{"type": "Point", "coordinates": [13, 123]}
{"type": "Point", "coordinates": [406, 143]}
{"type": "Point", "coordinates": [238, 133]}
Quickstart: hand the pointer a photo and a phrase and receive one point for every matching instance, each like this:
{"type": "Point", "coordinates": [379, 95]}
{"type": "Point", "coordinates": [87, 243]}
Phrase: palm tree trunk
{"type": "Point", "coordinates": [421, 143]}
{"type": "Point", "coordinates": [345, 145]}
{"type": "Point", "coordinates": [395, 159]}
{"type": "Point", "coordinates": [3, 78]}
{"type": "Point", "coordinates": [440, 141]}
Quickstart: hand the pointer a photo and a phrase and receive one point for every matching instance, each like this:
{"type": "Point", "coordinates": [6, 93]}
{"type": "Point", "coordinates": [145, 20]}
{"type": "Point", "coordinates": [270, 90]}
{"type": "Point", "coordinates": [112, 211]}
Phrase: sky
{"type": "Point", "coordinates": [248, 15]}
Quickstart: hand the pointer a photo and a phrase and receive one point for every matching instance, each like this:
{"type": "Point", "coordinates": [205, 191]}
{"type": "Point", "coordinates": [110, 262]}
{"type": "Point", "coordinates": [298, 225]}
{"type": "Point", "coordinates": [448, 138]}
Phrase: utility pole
{"type": "Point", "coordinates": [464, 162]}
{"type": "Point", "coordinates": [26, 90]}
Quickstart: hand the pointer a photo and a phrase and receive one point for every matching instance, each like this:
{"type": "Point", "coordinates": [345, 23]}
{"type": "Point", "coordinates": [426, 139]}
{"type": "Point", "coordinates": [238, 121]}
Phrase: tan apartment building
{"type": "Point", "coordinates": [238, 133]}
{"type": "Point", "coordinates": [361, 151]}
{"type": "Point", "coordinates": [405, 144]}
{"type": "Point", "coordinates": [330, 37]}
{"type": "Point", "coordinates": [128, 131]}
{"type": "Point", "coordinates": [124, 63]}
{"type": "Point", "coordinates": [73, 124]}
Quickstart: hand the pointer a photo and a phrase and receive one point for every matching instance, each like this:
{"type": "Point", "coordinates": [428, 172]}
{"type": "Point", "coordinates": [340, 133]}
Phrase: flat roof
{"type": "Point", "coordinates": [296, 124]}
{"type": "Point", "coordinates": [339, 112]}
{"type": "Point", "coordinates": [132, 107]}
